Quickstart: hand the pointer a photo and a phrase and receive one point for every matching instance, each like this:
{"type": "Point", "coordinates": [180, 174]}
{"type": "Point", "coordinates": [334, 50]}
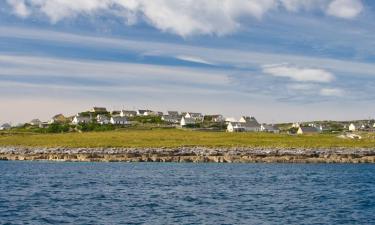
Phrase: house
{"type": "Point", "coordinates": [307, 130]}
{"type": "Point", "coordinates": [352, 127]}
{"type": "Point", "coordinates": [250, 123]}
{"type": "Point", "coordinates": [143, 112]}
{"type": "Point", "coordinates": [115, 113]}
{"type": "Point", "coordinates": [269, 128]}
{"type": "Point", "coordinates": [296, 125]}
{"type": "Point", "coordinates": [196, 116]}
{"type": "Point", "coordinates": [80, 119]}
{"type": "Point", "coordinates": [59, 118]}
{"type": "Point", "coordinates": [230, 119]}
{"type": "Point", "coordinates": [235, 127]}
{"type": "Point", "coordinates": [171, 118]}
{"type": "Point", "coordinates": [173, 113]}
{"type": "Point", "coordinates": [215, 118]}
{"type": "Point", "coordinates": [154, 113]}
{"type": "Point", "coordinates": [118, 120]}
{"type": "Point", "coordinates": [127, 113]}
{"type": "Point", "coordinates": [44, 124]}
{"type": "Point", "coordinates": [187, 121]}
{"type": "Point", "coordinates": [5, 126]}
{"type": "Point", "coordinates": [102, 119]}
{"type": "Point", "coordinates": [35, 122]}
{"type": "Point", "coordinates": [98, 110]}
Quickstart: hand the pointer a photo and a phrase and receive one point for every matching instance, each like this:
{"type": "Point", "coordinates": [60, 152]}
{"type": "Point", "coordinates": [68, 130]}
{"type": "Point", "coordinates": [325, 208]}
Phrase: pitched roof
{"type": "Point", "coordinates": [309, 129]}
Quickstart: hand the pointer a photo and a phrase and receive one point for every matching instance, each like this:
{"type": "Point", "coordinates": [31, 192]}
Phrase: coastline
{"type": "Point", "coordinates": [191, 154]}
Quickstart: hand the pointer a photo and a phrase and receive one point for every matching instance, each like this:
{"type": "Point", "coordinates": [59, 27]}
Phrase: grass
{"type": "Point", "coordinates": [175, 138]}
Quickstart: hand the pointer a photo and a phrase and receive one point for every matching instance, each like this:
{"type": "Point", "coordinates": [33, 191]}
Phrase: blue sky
{"type": "Point", "coordinates": [278, 60]}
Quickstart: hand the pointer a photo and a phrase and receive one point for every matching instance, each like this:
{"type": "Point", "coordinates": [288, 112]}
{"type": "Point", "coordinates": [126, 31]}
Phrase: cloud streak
{"type": "Point", "coordinates": [299, 74]}
{"type": "Point", "coordinates": [185, 17]}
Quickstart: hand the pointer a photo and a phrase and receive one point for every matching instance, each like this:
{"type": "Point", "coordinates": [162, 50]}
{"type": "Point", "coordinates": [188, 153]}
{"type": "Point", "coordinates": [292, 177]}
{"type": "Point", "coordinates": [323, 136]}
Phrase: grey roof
{"type": "Point", "coordinates": [189, 120]}
{"type": "Point", "coordinates": [119, 119]}
{"type": "Point", "coordinates": [309, 129]}
{"type": "Point", "coordinates": [173, 113]}
{"type": "Point", "coordinates": [252, 123]}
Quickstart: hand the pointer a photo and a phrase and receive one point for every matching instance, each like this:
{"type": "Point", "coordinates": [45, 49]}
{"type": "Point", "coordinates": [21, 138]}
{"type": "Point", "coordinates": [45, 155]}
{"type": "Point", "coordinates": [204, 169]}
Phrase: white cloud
{"type": "Point", "coordinates": [19, 7]}
{"type": "Point", "coordinates": [194, 59]}
{"type": "Point", "coordinates": [331, 92]}
{"type": "Point", "coordinates": [299, 74]}
{"type": "Point", "coordinates": [184, 17]}
{"type": "Point", "coordinates": [347, 9]}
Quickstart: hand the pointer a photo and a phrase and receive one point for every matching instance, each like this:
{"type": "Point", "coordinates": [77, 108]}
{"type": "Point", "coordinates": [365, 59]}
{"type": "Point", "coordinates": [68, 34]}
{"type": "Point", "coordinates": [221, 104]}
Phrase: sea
{"type": "Point", "coordinates": [178, 193]}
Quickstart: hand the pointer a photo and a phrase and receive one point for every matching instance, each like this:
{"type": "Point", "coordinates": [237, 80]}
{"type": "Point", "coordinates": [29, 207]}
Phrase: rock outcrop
{"type": "Point", "coordinates": [191, 154]}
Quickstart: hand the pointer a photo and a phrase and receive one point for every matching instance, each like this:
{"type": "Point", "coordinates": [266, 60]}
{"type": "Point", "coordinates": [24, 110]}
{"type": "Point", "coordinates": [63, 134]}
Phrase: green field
{"type": "Point", "coordinates": [175, 138]}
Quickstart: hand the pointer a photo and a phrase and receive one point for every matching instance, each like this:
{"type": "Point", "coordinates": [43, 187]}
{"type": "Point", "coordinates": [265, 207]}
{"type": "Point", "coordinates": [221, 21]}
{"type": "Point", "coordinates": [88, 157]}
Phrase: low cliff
{"type": "Point", "coordinates": [191, 154]}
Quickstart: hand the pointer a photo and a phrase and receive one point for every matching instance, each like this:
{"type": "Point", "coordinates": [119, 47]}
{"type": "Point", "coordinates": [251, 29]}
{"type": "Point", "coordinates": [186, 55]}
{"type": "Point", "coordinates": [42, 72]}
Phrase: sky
{"type": "Point", "coordinates": [277, 60]}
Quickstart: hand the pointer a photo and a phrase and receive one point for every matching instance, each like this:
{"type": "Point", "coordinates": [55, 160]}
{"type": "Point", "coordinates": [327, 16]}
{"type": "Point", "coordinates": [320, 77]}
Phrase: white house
{"type": "Point", "coordinates": [352, 127]}
{"type": "Point", "coordinates": [171, 119]}
{"type": "Point", "coordinates": [127, 113]}
{"type": "Point", "coordinates": [80, 119]}
{"type": "Point", "coordinates": [269, 128]}
{"type": "Point", "coordinates": [102, 119]}
{"type": "Point", "coordinates": [216, 118]}
{"type": "Point", "coordinates": [235, 127]}
{"type": "Point", "coordinates": [296, 125]}
{"type": "Point", "coordinates": [118, 120]}
{"type": "Point", "coordinates": [187, 121]}
{"type": "Point", "coordinates": [5, 126]}
{"type": "Point", "coordinates": [373, 125]}
{"type": "Point", "coordinates": [196, 116]}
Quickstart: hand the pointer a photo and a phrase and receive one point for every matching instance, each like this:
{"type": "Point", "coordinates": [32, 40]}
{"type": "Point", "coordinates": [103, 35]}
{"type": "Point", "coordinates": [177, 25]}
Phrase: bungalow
{"type": "Point", "coordinates": [196, 116]}
{"type": "Point", "coordinates": [80, 119]}
{"type": "Point", "coordinates": [187, 121]}
{"type": "Point", "coordinates": [127, 113]}
{"type": "Point", "coordinates": [98, 110]}
{"type": "Point", "coordinates": [143, 112]}
{"type": "Point", "coordinates": [235, 127]}
{"type": "Point", "coordinates": [171, 119]}
{"type": "Point", "coordinates": [102, 119]}
{"type": "Point", "coordinates": [118, 120]}
{"type": "Point", "coordinates": [35, 122]}
{"type": "Point", "coordinates": [5, 126]}
{"type": "Point", "coordinates": [269, 128]}
{"type": "Point", "coordinates": [307, 130]}
{"type": "Point", "coordinates": [352, 127]}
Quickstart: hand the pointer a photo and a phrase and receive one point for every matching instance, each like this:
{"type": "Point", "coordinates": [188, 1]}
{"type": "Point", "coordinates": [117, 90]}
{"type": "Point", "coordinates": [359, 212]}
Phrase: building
{"type": "Point", "coordinates": [171, 119]}
{"type": "Point", "coordinates": [143, 112]}
{"type": "Point", "coordinates": [269, 128]}
{"type": "Point", "coordinates": [127, 113]}
{"type": "Point", "coordinates": [98, 110]}
{"type": "Point", "coordinates": [215, 118]}
{"type": "Point", "coordinates": [196, 116]}
{"type": "Point", "coordinates": [352, 127]}
{"type": "Point", "coordinates": [80, 119]}
{"type": "Point", "coordinates": [173, 113]}
{"type": "Point", "coordinates": [307, 130]}
{"type": "Point", "coordinates": [230, 119]}
{"type": "Point", "coordinates": [235, 127]}
{"type": "Point", "coordinates": [59, 118]}
{"type": "Point", "coordinates": [5, 126]}
{"type": "Point", "coordinates": [35, 122]}
{"type": "Point", "coordinates": [102, 119]}
{"type": "Point", "coordinates": [296, 125]}
{"type": "Point", "coordinates": [118, 120]}
{"type": "Point", "coordinates": [187, 121]}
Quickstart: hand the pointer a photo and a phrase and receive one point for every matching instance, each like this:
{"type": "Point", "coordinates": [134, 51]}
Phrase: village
{"type": "Point", "coordinates": [100, 119]}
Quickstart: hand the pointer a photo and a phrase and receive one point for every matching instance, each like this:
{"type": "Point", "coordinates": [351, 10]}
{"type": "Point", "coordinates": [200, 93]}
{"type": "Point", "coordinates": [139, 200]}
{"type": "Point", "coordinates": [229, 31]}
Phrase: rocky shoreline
{"type": "Point", "coordinates": [191, 154]}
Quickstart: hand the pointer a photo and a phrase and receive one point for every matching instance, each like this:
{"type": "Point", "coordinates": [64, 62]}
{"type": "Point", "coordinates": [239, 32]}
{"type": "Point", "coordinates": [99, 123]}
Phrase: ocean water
{"type": "Point", "coordinates": [157, 193]}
